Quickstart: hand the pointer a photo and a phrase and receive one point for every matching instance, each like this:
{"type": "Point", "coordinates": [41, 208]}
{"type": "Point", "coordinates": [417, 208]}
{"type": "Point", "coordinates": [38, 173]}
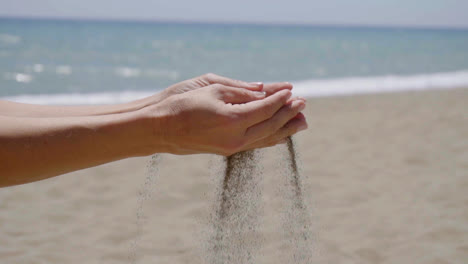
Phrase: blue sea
{"type": "Point", "coordinates": [82, 62]}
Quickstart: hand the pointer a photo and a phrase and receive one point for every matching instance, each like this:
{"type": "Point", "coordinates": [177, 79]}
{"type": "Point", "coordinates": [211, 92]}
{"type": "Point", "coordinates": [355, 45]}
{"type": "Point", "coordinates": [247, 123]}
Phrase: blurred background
{"type": "Point", "coordinates": [384, 175]}
{"type": "Point", "coordinates": [109, 51]}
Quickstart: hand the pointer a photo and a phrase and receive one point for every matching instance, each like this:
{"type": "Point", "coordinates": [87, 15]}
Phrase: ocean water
{"type": "Point", "coordinates": [81, 62]}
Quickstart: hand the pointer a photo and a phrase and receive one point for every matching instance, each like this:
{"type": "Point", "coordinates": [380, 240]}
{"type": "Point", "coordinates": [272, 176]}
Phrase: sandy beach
{"type": "Point", "coordinates": [386, 178]}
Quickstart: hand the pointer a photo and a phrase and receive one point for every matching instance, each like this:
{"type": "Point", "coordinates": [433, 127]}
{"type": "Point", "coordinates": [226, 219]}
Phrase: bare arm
{"type": "Point", "coordinates": [33, 149]}
{"type": "Point", "coordinates": [8, 108]}
{"type": "Point", "coordinates": [215, 118]}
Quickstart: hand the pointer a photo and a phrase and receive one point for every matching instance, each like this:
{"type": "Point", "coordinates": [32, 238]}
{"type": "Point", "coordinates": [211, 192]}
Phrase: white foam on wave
{"type": "Point", "coordinates": [18, 77]}
{"type": "Point", "coordinates": [127, 72]}
{"type": "Point", "coordinates": [380, 84]}
{"type": "Point", "coordinates": [80, 99]}
{"type": "Point", "coordinates": [308, 88]}
{"type": "Point", "coordinates": [9, 39]}
{"type": "Point", "coordinates": [38, 68]}
{"type": "Point", "coordinates": [63, 70]}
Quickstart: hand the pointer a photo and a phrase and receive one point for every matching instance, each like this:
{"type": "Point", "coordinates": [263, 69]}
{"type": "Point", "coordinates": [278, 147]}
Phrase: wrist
{"type": "Point", "coordinates": [145, 102]}
{"type": "Point", "coordinates": [148, 123]}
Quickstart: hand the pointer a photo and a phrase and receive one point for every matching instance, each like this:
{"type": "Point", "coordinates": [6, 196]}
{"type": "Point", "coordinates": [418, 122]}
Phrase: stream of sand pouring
{"type": "Point", "coordinates": [235, 239]}
{"type": "Point", "coordinates": [146, 192]}
{"type": "Point", "coordinates": [296, 221]}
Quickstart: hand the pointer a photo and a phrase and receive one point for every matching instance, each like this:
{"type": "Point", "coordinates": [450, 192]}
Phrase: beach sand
{"type": "Point", "coordinates": [386, 178]}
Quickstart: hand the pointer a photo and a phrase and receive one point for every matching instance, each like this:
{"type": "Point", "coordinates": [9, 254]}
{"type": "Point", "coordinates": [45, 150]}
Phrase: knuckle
{"type": "Point", "coordinates": [237, 82]}
{"type": "Point", "coordinates": [227, 94]}
{"type": "Point", "coordinates": [239, 93]}
{"type": "Point", "coordinates": [236, 115]}
{"type": "Point", "coordinates": [218, 86]}
{"type": "Point", "coordinates": [209, 76]}
{"type": "Point", "coordinates": [218, 90]}
{"type": "Point", "coordinates": [248, 93]}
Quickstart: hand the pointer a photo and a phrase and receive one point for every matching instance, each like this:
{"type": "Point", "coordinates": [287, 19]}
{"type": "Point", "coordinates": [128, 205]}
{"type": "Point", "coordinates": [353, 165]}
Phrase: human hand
{"type": "Point", "coordinates": [207, 80]}
{"type": "Point", "coordinates": [294, 125]}
{"type": "Point", "coordinates": [223, 120]}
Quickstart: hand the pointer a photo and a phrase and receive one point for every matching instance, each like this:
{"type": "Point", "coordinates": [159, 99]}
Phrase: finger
{"type": "Point", "coordinates": [295, 125]}
{"type": "Point", "coordinates": [257, 111]}
{"type": "Point", "coordinates": [272, 88]}
{"type": "Point", "coordinates": [280, 118]}
{"type": "Point", "coordinates": [211, 78]}
{"type": "Point", "coordinates": [232, 95]}
{"type": "Point", "coordinates": [290, 100]}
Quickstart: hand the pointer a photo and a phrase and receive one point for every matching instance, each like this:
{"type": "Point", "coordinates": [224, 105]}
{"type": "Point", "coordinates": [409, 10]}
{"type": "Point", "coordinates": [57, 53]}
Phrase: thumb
{"type": "Point", "coordinates": [211, 78]}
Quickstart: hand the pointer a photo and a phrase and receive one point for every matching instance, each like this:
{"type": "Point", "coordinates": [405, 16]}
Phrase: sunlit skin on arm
{"type": "Point", "coordinates": [37, 148]}
{"type": "Point", "coordinates": [8, 108]}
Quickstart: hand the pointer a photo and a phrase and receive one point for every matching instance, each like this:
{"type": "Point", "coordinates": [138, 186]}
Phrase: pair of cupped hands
{"type": "Point", "coordinates": [215, 114]}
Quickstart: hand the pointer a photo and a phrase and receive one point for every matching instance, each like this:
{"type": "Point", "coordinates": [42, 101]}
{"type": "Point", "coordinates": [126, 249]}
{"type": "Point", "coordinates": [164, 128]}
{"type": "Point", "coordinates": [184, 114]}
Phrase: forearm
{"type": "Point", "coordinates": [8, 108]}
{"type": "Point", "coordinates": [33, 149]}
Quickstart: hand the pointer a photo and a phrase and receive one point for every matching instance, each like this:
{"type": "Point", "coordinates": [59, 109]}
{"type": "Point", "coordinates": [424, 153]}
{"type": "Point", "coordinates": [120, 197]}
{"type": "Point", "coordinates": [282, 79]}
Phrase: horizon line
{"type": "Point", "coordinates": [227, 22]}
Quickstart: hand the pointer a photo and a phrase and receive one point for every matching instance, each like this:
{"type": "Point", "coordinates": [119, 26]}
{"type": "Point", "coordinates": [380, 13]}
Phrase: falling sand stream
{"type": "Point", "coordinates": [235, 238]}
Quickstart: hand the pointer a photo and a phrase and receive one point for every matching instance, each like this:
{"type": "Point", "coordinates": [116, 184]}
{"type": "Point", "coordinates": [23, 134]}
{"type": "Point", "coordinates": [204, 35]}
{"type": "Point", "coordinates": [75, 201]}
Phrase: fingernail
{"type": "Point", "coordinates": [301, 106]}
{"type": "Point", "coordinates": [256, 83]}
{"type": "Point", "coordinates": [295, 103]}
{"type": "Point", "coordinates": [259, 93]}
